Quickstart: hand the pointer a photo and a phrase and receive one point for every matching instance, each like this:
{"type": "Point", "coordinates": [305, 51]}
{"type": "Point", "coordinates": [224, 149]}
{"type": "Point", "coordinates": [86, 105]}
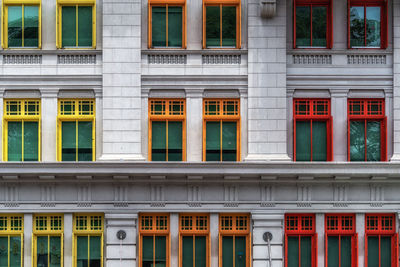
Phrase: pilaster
{"type": "Point", "coordinates": [396, 80]}
{"type": "Point", "coordinates": [49, 124]}
{"type": "Point", "coordinates": [194, 124]}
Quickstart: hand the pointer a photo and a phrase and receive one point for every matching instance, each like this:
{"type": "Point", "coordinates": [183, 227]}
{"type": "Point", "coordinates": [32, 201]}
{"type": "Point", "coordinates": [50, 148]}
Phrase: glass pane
{"type": "Point", "coordinates": [213, 26]}
{"type": "Point", "coordinates": [175, 26]}
{"type": "Point", "coordinates": [319, 15]}
{"type": "Point", "coordinates": [147, 251]}
{"type": "Point", "coordinates": [31, 141]}
{"type": "Point", "coordinates": [240, 251]}
{"type": "Point", "coordinates": [333, 251]}
{"type": "Point", "coordinates": [85, 26]}
{"type": "Point", "coordinates": [293, 251]}
{"type": "Point", "coordinates": [229, 141]}
{"type": "Point", "coordinates": [42, 251]}
{"type": "Point", "coordinates": [305, 251]}
{"type": "Point", "coordinates": [174, 141]}
{"type": "Point", "coordinates": [95, 251]}
{"type": "Point", "coordinates": [159, 24]}
{"type": "Point", "coordinates": [303, 141]}
{"type": "Point", "coordinates": [357, 27]}
{"type": "Point", "coordinates": [4, 251]}
{"type": "Point", "coordinates": [373, 26]}
{"type": "Point", "coordinates": [15, 251]}
{"type": "Point", "coordinates": [373, 251]}
{"type": "Point", "coordinates": [357, 140]}
{"type": "Point", "coordinates": [158, 141]}
{"type": "Point", "coordinates": [161, 251]}
{"type": "Point", "coordinates": [201, 251]}
{"type": "Point", "coordinates": [319, 141]}
{"type": "Point", "coordinates": [14, 141]}
{"type": "Point", "coordinates": [55, 251]}
{"type": "Point", "coordinates": [227, 251]}
{"type": "Point", "coordinates": [68, 25]}
{"type": "Point", "coordinates": [82, 251]}
{"type": "Point", "coordinates": [386, 251]}
{"type": "Point", "coordinates": [31, 26]}
{"type": "Point", "coordinates": [14, 26]}
{"type": "Point", "coordinates": [345, 251]}
{"type": "Point", "coordinates": [68, 142]}
{"type": "Point", "coordinates": [213, 141]}
{"type": "Point", "coordinates": [85, 138]}
{"type": "Point", "coordinates": [187, 251]}
{"type": "Point", "coordinates": [229, 26]}
{"type": "Point", "coordinates": [303, 27]}
{"type": "Point", "coordinates": [373, 141]}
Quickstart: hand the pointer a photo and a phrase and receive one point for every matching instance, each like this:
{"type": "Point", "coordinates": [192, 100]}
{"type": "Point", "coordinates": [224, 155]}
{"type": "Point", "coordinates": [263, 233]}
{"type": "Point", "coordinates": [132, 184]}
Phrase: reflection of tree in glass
{"type": "Point", "coordinates": [373, 32]}
{"type": "Point", "coordinates": [357, 141]}
{"type": "Point", "coordinates": [357, 26]}
{"type": "Point", "coordinates": [373, 141]}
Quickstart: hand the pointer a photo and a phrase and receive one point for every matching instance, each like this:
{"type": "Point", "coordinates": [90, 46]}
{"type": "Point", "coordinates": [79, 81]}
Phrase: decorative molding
{"type": "Point", "coordinates": [268, 8]}
{"type": "Point", "coordinates": [157, 193]}
{"type": "Point", "coordinates": [222, 59]}
{"type": "Point", "coordinates": [120, 193]}
{"type": "Point", "coordinates": [47, 193]}
{"type": "Point", "coordinates": [84, 193]}
{"type": "Point", "coordinates": [340, 205]}
{"type": "Point", "coordinates": [304, 192]}
{"type": "Point", "coordinates": [194, 193]}
{"type": "Point", "coordinates": [76, 59]}
{"type": "Point", "coordinates": [304, 205]}
{"type": "Point", "coordinates": [22, 59]}
{"type": "Point", "coordinates": [366, 59]}
{"type": "Point", "coordinates": [340, 192]}
{"type": "Point", "coordinates": [167, 59]}
{"type": "Point", "coordinates": [312, 59]}
{"type": "Point", "coordinates": [267, 204]}
{"type": "Point", "coordinates": [231, 193]}
{"type": "Point", "coordinates": [11, 193]}
{"type": "Point", "coordinates": [267, 193]}
{"type": "Point", "coordinates": [377, 193]}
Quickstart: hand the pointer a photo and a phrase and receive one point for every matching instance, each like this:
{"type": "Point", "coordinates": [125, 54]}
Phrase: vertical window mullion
{"type": "Point", "coordinates": [194, 250]}
{"type": "Point", "coordinates": [88, 250]}
{"type": "Point", "coordinates": [299, 238]}
{"type": "Point", "coordinates": [340, 250]}
{"type": "Point", "coordinates": [379, 250]}
{"type": "Point", "coordinates": [8, 250]}
{"type": "Point", "coordinates": [154, 249]}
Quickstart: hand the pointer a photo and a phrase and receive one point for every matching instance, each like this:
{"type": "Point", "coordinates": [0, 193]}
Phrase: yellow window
{"type": "Point", "coordinates": [48, 240]}
{"type": "Point", "coordinates": [88, 240]}
{"type": "Point", "coordinates": [21, 130]}
{"type": "Point", "coordinates": [11, 240]}
{"type": "Point", "coordinates": [21, 24]}
{"type": "Point", "coordinates": [76, 130]}
{"type": "Point", "coordinates": [221, 130]}
{"type": "Point", "coordinates": [76, 24]}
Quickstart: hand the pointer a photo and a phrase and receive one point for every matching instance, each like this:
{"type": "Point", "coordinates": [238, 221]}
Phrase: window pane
{"type": "Point", "coordinates": [4, 251]}
{"type": "Point", "coordinates": [357, 141]}
{"type": "Point", "coordinates": [31, 140]}
{"type": "Point", "coordinates": [55, 251]}
{"type": "Point", "coordinates": [174, 141]}
{"type": "Point", "coordinates": [85, 26]}
{"type": "Point", "coordinates": [293, 251]}
{"type": "Point", "coordinates": [95, 251]}
{"type": "Point", "coordinates": [68, 142]}
{"type": "Point", "coordinates": [319, 16]}
{"type": "Point", "coordinates": [85, 137]}
{"type": "Point", "coordinates": [240, 251]}
{"type": "Point", "coordinates": [333, 251]}
{"type": "Point", "coordinates": [303, 27]}
{"type": "Point", "coordinates": [161, 251]}
{"type": "Point", "coordinates": [14, 26]}
{"type": "Point", "coordinates": [357, 27]}
{"type": "Point", "coordinates": [15, 251]}
{"type": "Point", "coordinates": [175, 26]}
{"type": "Point", "coordinates": [42, 250]}
{"type": "Point", "coordinates": [229, 26]}
{"type": "Point", "coordinates": [305, 251]}
{"type": "Point", "coordinates": [319, 141]}
{"type": "Point", "coordinates": [200, 251]}
{"type": "Point", "coordinates": [82, 251]}
{"type": "Point", "coordinates": [187, 251]}
{"type": "Point", "coordinates": [227, 251]}
{"type": "Point", "coordinates": [158, 141]}
{"type": "Point", "coordinates": [213, 26]}
{"type": "Point", "coordinates": [68, 26]}
{"type": "Point", "coordinates": [303, 141]}
{"type": "Point", "coordinates": [345, 251]}
{"type": "Point", "coordinates": [147, 251]}
{"type": "Point", "coordinates": [386, 251]}
{"type": "Point", "coordinates": [213, 141]}
{"type": "Point", "coordinates": [14, 141]}
{"type": "Point", "coordinates": [373, 251]}
{"type": "Point", "coordinates": [158, 23]}
{"type": "Point", "coordinates": [373, 26]}
{"type": "Point", "coordinates": [229, 141]}
{"type": "Point", "coordinates": [373, 141]}
{"type": "Point", "coordinates": [31, 26]}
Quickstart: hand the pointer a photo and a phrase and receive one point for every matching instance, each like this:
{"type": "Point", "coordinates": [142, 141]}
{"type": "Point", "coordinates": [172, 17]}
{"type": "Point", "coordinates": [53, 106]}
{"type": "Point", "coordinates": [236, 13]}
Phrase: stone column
{"type": "Point", "coordinates": [68, 239]}
{"type": "Point", "coordinates": [214, 238]}
{"type": "Point", "coordinates": [339, 124]}
{"type": "Point", "coordinates": [320, 229]}
{"type": "Point", "coordinates": [28, 239]}
{"type": "Point", "coordinates": [360, 229]}
{"type": "Point", "coordinates": [1, 121]}
{"type": "Point", "coordinates": [49, 124]}
{"type": "Point", "coordinates": [396, 80]}
{"type": "Point", "coordinates": [194, 125]}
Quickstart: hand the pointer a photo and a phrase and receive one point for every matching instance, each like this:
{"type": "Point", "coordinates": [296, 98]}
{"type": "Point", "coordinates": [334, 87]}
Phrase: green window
{"type": "Point", "coordinates": [23, 140]}
{"type": "Point", "coordinates": [339, 251]}
{"type": "Point", "coordinates": [194, 251]}
{"type": "Point", "coordinates": [379, 251]}
{"type": "Point", "coordinates": [365, 26]}
{"type": "Point", "coordinates": [10, 251]}
{"type": "Point", "coordinates": [234, 251]}
{"type": "Point", "coordinates": [311, 140]}
{"type": "Point", "coordinates": [221, 24]}
{"type": "Point", "coordinates": [299, 251]}
{"type": "Point", "coordinates": [23, 26]}
{"type": "Point", "coordinates": [311, 26]}
{"type": "Point", "coordinates": [166, 26]}
{"type": "Point", "coordinates": [88, 251]}
{"type": "Point", "coordinates": [166, 142]}
{"type": "Point", "coordinates": [48, 251]}
{"type": "Point", "coordinates": [221, 141]}
{"type": "Point", "coordinates": [77, 140]}
{"type": "Point", "coordinates": [365, 140]}
{"type": "Point", "coordinates": [77, 26]}
{"type": "Point", "coordinates": [154, 251]}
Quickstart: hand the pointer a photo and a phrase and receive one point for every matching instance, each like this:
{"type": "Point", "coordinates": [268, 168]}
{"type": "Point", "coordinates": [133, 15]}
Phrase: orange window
{"type": "Point", "coordinates": [154, 240]}
{"type": "Point", "coordinates": [234, 240]}
{"type": "Point", "coordinates": [167, 130]}
{"type": "Point", "coordinates": [194, 240]}
{"type": "Point", "coordinates": [221, 130]}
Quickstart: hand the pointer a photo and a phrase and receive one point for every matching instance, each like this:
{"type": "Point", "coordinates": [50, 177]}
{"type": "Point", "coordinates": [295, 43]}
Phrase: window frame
{"type": "Point", "coordinates": [23, 117]}
{"type": "Point", "coordinates": [60, 4]}
{"type": "Point", "coordinates": [313, 116]}
{"type": "Point", "coordinates": [10, 232]}
{"type": "Point", "coordinates": [221, 117]}
{"type": "Point", "coordinates": [77, 118]}
{"type": "Point", "coordinates": [220, 3]}
{"type": "Point", "coordinates": [154, 232]}
{"type": "Point", "coordinates": [382, 118]}
{"type": "Point", "coordinates": [329, 30]}
{"type": "Point", "coordinates": [165, 3]}
{"type": "Point", "coordinates": [383, 4]}
{"type": "Point", "coordinates": [167, 117]}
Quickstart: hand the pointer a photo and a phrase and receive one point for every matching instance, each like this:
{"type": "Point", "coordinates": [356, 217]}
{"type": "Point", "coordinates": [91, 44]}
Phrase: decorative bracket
{"type": "Point", "coordinates": [268, 8]}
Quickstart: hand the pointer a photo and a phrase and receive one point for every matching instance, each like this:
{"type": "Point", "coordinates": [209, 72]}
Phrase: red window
{"type": "Point", "coordinates": [312, 27]}
{"type": "Point", "coordinates": [366, 133]}
{"type": "Point", "coordinates": [381, 240]}
{"type": "Point", "coordinates": [367, 23]}
{"type": "Point", "coordinates": [341, 247]}
{"type": "Point", "coordinates": [300, 240]}
{"type": "Point", "coordinates": [312, 130]}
